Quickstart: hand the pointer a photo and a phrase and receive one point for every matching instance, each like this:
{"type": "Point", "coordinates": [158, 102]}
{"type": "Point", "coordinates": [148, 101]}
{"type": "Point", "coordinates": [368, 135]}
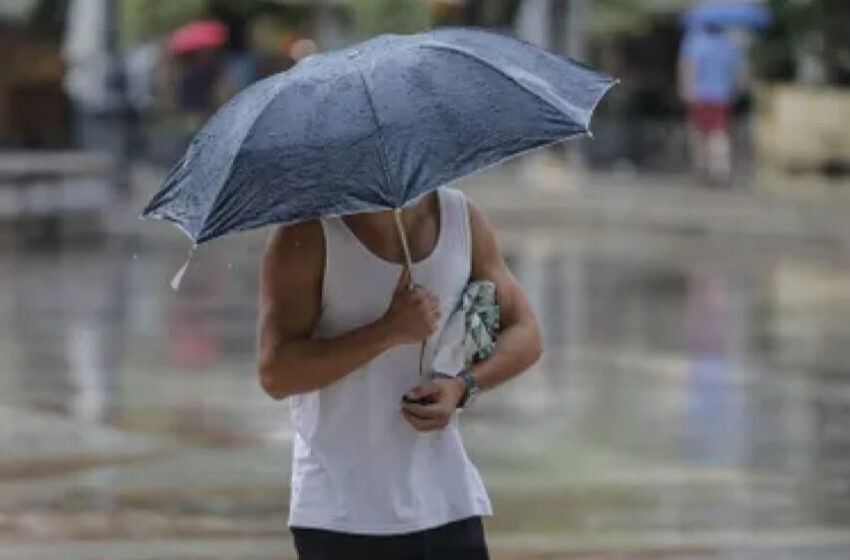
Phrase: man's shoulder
{"type": "Point", "coordinates": [308, 231]}
{"type": "Point", "coordinates": [298, 246]}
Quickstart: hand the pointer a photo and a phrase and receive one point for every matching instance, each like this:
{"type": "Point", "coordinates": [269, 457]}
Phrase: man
{"type": "Point", "coordinates": [710, 66]}
{"type": "Point", "coordinates": [375, 475]}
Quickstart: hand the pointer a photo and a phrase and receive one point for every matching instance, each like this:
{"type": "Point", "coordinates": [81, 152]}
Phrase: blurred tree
{"type": "Point", "coordinates": [48, 19]}
{"type": "Point", "coordinates": [446, 12]}
{"type": "Point", "coordinates": [618, 18]}
{"type": "Point", "coordinates": [808, 41]}
{"type": "Point", "coordinates": [835, 15]}
{"type": "Point", "coordinates": [478, 13]}
{"type": "Point", "coordinates": [491, 13]}
{"type": "Point", "coordinates": [792, 35]}
{"type": "Point", "coordinates": [373, 17]}
{"type": "Point", "coordinates": [236, 16]}
{"type": "Point", "coordinates": [144, 18]}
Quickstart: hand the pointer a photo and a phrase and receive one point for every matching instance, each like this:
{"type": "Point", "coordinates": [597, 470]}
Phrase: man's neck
{"type": "Point", "coordinates": [379, 232]}
{"type": "Point", "coordinates": [384, 221]}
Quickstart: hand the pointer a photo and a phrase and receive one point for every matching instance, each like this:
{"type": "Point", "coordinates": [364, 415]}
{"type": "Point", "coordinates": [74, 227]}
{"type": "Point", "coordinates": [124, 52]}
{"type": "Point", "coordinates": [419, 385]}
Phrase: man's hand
{"type": "Point", "coordinates": [444, 394]}
{"type": "Point", "coordinates": [414, 314]}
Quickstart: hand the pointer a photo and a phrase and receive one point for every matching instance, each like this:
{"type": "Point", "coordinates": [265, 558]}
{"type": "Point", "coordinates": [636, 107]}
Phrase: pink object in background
{"type": "Point", "coordinates": [208, 34]}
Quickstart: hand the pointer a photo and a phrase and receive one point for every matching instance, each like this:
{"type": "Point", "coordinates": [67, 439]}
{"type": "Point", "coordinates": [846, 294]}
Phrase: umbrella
{"type": "Point", "coordinates": [207, 34]}
{"type": "Point", "coordinates": [373, 127]}
{"type": "Point", "coordinates": [728, 13]}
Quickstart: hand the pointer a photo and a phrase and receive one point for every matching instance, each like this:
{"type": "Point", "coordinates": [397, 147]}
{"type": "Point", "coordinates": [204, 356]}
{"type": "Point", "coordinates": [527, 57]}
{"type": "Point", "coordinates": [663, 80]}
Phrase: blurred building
{"type": "Point", "coordinates": [33, 107]}
{"type": "Point", "coordinates": [77, 43]}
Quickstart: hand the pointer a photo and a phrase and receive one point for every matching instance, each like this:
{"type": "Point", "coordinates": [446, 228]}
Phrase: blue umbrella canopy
{"type": "Point", "coordinates": [729, 13]}
{"type": "Point", "coordinates": [373, 127]}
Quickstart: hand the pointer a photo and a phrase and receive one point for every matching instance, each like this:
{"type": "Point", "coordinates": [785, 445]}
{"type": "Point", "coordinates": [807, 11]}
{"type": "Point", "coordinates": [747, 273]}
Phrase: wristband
{"type": "Point", "coordinates": [469, 392]}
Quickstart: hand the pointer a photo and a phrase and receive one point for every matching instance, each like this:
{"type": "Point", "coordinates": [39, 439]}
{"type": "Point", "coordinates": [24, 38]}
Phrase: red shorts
{"type": "Point", "coordinates": [710, 117]}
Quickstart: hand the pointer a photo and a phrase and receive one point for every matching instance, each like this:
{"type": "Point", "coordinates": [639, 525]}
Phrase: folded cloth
{"type": "Point", "coordinates": [471, 331]}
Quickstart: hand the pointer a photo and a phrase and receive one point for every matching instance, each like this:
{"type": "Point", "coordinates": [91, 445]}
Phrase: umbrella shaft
{"type": "Point", "coordinates": [404, 244]}
{"type": "Point", "coordinates": [409, 263]}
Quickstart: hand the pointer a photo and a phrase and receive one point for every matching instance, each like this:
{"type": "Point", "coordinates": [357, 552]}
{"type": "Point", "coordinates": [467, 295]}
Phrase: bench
{"type": "Point", "coordinates": [41, 192]}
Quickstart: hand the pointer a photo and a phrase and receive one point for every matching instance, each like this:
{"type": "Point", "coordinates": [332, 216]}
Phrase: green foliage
{"type": "Point", "coordinates": [773, 56]}
{"type": "Point", "coordinates": [628, 17]}
{"type": "Point", "coordinates": [835, 15]}
{"type": "Point", "coordinates": [491, 13]}
{"type": "Point", "coordinates": [145, 18]}
{"type": "Point", "coordinates": [373, 17]}
{"type": "Point", "coordinates": [618, 17]}
{"type": "Point", "coordinates": [795, 29]}
{"type": "Point", "coordinates": [48, 19]}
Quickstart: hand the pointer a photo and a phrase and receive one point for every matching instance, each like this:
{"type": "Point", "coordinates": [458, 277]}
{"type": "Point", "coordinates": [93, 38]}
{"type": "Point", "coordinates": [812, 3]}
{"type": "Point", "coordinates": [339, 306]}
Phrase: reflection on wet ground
{"type": "Point", "coordinates": [693, 403]}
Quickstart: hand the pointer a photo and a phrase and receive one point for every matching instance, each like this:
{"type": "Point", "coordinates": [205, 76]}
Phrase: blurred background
{"type": "Point", "coordinates": [694, 400]}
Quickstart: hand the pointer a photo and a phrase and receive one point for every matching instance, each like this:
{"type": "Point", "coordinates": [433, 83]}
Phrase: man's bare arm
{"type": "Point", "coordinates": [290, 361]}
{"type": "Point", "coordinates": [518, 347]}
{"type": "Point", "coordinates": [520, 342]}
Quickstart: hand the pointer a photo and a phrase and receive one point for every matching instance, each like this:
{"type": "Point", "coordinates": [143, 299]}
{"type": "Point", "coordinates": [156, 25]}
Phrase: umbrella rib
{"type": "Point", "coordinates": [379, 132]}
{"type": "Point", "coordinates": [270, 97]}
{"type": "Point", "coordinates": [567, 108]}
{"type": "Point", "coordinates": [407, 256]}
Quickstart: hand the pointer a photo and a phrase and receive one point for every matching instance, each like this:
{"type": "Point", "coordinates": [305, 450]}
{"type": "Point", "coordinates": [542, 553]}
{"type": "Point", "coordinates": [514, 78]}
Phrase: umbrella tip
{"type": "Point", "coordinates": [178, 276]}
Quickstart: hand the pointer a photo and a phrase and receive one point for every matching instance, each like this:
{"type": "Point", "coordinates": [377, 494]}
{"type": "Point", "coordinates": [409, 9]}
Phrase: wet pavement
{"type": "Point", "coordinates": [693, 403]}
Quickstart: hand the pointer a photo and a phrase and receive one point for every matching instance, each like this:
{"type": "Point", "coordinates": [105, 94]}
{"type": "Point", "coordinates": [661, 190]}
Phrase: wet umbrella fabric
{"type": "Point", "coordinates": [373, 127]}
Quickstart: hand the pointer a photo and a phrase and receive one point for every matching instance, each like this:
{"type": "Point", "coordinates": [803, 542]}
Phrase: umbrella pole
{"type": "Point", "coordinates": [409, 263]}
{"type": "Point", "coordinates": [404, 244]}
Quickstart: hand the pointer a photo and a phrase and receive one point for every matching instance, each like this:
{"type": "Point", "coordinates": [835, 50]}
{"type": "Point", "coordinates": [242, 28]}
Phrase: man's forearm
{"type": "Point", "coordinates": [308, 365]}
{"type": "Point", "coordinates": [518, 348]}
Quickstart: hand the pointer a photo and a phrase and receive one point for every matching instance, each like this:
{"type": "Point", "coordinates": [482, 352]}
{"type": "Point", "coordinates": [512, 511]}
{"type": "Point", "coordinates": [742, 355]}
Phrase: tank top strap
{"type": "Point", "coordinates": [338, 238]}
{"type": "Point", "coordinates": [339, 252]}
{"type": "Point", "coordinates": [456, 214]}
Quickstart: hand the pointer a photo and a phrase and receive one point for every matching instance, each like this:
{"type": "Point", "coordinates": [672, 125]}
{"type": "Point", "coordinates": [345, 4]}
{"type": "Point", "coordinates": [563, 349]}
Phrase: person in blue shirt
{"type": "Point", "coordinates": [710, 67]}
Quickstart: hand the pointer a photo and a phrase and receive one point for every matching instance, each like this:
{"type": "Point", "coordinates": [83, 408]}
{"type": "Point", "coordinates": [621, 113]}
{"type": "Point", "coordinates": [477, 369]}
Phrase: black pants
{"type": "Point", "coordinates": [461, 540]}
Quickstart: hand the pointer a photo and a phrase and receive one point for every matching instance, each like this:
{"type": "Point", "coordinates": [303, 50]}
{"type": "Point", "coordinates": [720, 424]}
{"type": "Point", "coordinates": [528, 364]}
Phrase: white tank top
{"type": "Point", "coordinates": [358, 466]}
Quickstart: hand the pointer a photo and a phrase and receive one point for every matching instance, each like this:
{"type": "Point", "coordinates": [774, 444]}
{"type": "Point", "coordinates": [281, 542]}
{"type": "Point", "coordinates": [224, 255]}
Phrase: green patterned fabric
{"type": "Point", "coordinates": [481, 311]}
{"type": "Point", "coordinates": [471, 332]}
